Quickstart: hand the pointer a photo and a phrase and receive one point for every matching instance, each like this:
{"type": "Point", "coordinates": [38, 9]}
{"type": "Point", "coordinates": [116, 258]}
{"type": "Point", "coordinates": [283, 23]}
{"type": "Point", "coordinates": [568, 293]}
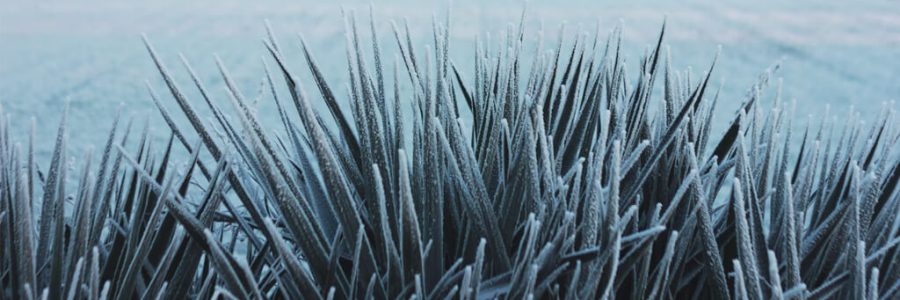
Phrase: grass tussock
{"type": "Point", "coordinates": [548, 176]}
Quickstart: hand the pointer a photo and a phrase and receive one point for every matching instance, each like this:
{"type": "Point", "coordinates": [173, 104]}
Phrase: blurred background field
{"type": "Point", "coordinates": [833, 53]}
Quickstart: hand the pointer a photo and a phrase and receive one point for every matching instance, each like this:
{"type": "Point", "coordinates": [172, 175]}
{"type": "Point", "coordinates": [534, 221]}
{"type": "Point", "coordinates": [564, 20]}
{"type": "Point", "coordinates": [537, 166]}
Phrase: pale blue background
{"type": "Point", "coordinates": [89, 52]}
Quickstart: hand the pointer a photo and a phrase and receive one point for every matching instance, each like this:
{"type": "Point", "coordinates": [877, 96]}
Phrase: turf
{"type": "Point", "coordinates": [567, 174]}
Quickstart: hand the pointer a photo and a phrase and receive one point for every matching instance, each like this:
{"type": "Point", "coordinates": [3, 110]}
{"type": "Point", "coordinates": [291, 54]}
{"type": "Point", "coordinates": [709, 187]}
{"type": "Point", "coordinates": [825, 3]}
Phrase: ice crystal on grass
{"type": "Point", "coordinates": [548, 177]}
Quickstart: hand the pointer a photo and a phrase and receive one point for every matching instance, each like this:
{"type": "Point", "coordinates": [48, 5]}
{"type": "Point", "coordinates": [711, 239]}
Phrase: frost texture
{"type": "Point", "coordinates": [545, 177]}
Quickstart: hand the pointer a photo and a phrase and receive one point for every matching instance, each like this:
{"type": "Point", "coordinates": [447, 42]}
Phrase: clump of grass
{"type": "Point", "coordinates": [529, 177]}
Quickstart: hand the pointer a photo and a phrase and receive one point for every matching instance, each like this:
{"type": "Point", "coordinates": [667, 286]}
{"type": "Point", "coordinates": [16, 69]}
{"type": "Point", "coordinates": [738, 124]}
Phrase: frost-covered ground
{"type": "Point", "coordinates": [89, 53]}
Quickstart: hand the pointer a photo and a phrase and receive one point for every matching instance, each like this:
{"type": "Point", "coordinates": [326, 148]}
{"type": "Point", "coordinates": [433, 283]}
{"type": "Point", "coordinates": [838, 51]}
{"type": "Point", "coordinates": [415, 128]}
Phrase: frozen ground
{"type": "Point", "coordinates": [90, 53]}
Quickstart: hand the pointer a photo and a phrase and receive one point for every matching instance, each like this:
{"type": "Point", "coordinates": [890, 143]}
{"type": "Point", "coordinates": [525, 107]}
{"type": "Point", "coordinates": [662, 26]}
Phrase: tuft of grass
{"type": "Point", "coordinates": [550, 177]}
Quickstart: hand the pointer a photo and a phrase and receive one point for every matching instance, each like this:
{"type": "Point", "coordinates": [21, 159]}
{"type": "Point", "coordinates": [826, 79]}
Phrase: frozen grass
{"type": "Point", "coordinates": [529, 177]}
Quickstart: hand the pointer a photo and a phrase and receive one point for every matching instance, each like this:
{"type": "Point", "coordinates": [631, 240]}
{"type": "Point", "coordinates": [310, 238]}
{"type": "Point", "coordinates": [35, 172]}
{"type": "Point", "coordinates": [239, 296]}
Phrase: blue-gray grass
{"type": "Point", "coordinates": [529, 177]}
